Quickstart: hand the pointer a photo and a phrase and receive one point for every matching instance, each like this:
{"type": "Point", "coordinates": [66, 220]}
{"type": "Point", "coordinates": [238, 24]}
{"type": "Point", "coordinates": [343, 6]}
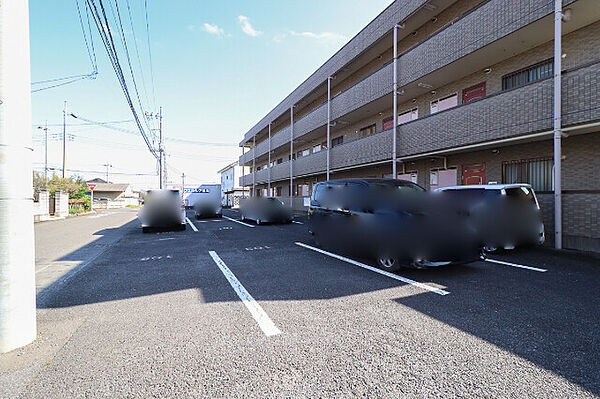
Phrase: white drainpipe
{"type": "Point", "coordinates": [557, 124]}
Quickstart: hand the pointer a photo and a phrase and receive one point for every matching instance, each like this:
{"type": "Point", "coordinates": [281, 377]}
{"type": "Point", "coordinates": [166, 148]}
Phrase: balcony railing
{"type": "Point", "coordinates": [506, 114]}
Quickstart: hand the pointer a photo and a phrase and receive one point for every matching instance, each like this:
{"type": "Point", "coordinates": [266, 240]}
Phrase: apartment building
{"type": "Point", "coordinates": [475, 93]}
{"type": "Point", "coordinates": [231, 191]}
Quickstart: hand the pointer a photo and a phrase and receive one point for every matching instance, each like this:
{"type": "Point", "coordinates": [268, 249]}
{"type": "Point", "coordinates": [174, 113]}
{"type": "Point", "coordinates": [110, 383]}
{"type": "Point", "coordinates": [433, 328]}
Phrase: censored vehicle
{"type": "Point", "coordinates": [265, 210]}
{"type": "Point", "coordinates": [163, 209]}
{"type": "Point", "coordinates": [396, 222]}
{"type": "Point", "coordinates": [206, 201]}
{"type": "Point", "coordinates": [505, 215]}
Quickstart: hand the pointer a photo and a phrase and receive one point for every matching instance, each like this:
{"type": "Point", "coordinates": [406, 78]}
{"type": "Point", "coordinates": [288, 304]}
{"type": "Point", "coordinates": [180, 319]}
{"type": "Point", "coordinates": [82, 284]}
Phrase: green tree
{"type": "Point", "coordinates": [39, 183]}
{"type": "Point", "coordinates": [76, 187]}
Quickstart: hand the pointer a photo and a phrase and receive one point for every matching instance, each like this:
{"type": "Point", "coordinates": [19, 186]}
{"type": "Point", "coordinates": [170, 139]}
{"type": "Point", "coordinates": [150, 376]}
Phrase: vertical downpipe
{"type": "Point", "coordinates": [557, 124]}
{"type": "Point", "coordinates": [395, 94]}
{"type": "Point", "coordinates": [328, 121]}
{"type": "Point", "coordinates": [291, 156]}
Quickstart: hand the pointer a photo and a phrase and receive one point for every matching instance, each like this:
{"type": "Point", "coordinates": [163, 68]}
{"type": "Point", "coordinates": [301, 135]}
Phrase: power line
{"type": "Point", "coordinates": [104, 30]}
{"type": "Point", "coordinates": [87, 45]}
{"type": "Point", "coordinates": [82, 77]}
{"type": "Point", "coordinates": [98, 171]}
{"type": "Point", "coordinates": [150, 54]}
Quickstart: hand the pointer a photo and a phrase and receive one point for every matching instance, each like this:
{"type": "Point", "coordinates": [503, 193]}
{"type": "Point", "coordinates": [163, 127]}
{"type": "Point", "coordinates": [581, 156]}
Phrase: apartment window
{"type": "Point", "coordinates": [303, 153]}
{"type": "Point", "coordinates": [279, 160]}
{"type": "Point", "coordinates": [539, 71]}
{"type": "Point", "coordinates": [365, 131]}
{"type": "Point", "coordinates": [316, 148]}
{"type": "Point", "coordinates": [473, 93]}
{"type": "Point", "coordinates": [444, 103]}
{"type": "Point", "coordinates": [408, 116]}
{"type": "Point", "coordinates": [537, 172]}
{"type": "Point", "coordinates": [337, 141]}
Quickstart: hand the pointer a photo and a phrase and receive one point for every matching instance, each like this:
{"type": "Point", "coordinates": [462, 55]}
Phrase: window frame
{"type": "Point", "coordinates": [544, 170]}
{"type": "Point", "coordinates": [372, 128]}
{"type": "Point", "coordinates": [526, 72]}
{"type": "Point", "coordinates": [337, 141]}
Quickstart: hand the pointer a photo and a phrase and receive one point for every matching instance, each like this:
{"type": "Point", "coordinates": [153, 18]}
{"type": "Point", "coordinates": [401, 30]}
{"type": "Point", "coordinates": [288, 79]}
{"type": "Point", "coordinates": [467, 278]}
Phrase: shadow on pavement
{"type": "Point", "coordinates": [543, 321]}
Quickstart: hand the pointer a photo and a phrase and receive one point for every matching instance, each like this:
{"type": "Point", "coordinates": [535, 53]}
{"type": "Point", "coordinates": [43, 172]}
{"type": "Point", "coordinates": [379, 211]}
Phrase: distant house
{"type": "Point", "coordinates": [97, 180]}
{"type": "Point", "coordinates": [231, 191]}
{"type": "Point", "coordinates": [108, 195]}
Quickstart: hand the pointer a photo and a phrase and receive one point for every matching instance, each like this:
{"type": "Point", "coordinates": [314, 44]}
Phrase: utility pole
{"type": "Point", "coordinates": [107, 166]}
{"type": "Point", "coordinates": [160, 149]}
{"type": "Point", "coordinates": [46, 152]}
{"type": "Point", "coordinates": [45, 129]}
{"type": "Point", "coordinates": [182, 183]}
{"type": "Point", "coordinates": [17, 250]}
{"type": "Point", "coordinates": [64, 168]}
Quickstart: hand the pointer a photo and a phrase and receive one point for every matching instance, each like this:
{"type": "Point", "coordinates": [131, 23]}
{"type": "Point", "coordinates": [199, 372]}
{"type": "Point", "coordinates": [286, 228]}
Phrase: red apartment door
{"type": "Point", "coordinates": [473, 174]}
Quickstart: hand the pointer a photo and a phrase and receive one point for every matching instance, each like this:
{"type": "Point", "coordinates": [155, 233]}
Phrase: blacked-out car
{"type": "Point", "coordinates": [162, 209]}
{"type": "Point", "coordinates": [504, 215]}
{"type": "Point", "coordinates": [396, 222]}
{"type": "Point", "coordinates": [265, 210]}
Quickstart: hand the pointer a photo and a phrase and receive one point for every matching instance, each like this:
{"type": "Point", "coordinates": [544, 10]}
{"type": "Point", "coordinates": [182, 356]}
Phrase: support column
{"type": "Point", "coordinates": [291, 155]}
{"type": "Point", "coordinates": [253, 166]}
{"type": "Point", "coordinates": [557, 123]}
{"type": "Point", "coordinates": [328, 122]}
{"type": "Point", "coordinates": [395, 107]}
{"type": "Point", "coordinates": [243, 176]}
{"type": "Point", "coordinates": [17, 251]}
{"type": "Point", "coordinates": [269, 164]}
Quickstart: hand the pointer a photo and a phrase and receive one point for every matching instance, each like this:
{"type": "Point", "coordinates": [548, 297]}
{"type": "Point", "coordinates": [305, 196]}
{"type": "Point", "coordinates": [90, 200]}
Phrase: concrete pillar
{"type": "Point", "coordinates": [17, 251]}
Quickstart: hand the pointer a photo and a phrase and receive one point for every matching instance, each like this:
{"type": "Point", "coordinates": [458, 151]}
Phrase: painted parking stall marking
{"type": "Point", "coordinates": [264, 321]}
{"type": "Point", "coordinates": [501, 262]}
{"type": "Point", "coordinates": [237, 221]}
{"type": "Point", "coordinates": [374, 269]}
{"type": "Point", "coordinates": [257, 248]}
{"type": "Point", "coordinates": [191, 224]}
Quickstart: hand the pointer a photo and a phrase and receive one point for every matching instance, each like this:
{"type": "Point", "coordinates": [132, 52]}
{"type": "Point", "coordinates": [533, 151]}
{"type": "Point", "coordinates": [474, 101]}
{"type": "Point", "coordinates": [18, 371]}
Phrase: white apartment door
{"type": "Point", "coordinates": [442, 178]}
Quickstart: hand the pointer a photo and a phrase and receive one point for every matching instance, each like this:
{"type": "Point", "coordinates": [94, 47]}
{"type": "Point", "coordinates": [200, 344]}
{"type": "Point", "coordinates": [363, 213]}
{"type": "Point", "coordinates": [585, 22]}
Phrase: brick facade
{"type": "Point", "coordinates": [467, 43]}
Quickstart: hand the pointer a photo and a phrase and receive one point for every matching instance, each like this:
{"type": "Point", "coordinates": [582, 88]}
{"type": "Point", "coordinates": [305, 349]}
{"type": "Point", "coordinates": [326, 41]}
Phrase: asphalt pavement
{"type": "Point", "coordinates": [231, 309]}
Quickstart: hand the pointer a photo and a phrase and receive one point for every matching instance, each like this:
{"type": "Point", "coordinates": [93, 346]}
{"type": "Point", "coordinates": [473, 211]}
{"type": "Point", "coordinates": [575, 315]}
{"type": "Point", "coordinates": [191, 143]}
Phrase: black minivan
{"type": "Point", "coordinates": [397, 222]}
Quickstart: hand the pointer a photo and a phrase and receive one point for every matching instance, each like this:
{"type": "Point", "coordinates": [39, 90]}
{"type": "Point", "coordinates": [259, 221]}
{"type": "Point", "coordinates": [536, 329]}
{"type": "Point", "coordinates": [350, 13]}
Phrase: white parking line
{"type": "Point", "coordinates": [500, 262]}
{"type": "Point", "coordinates": [237, 221]}
{"type": "Point", "coordinates": [165, 239]}
{"type": "Point", "coordinates": [293, 221]}
{"type": "Point", "coordinates": [191, 224]}
{"type": "Point", "coordinates": [373, 269]}
{"type": "Point", "coordinates": [263, 320]}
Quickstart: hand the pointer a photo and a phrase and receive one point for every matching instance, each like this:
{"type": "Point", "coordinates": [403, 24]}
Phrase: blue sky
{"type": "Point", "coordinates": [219, 67]}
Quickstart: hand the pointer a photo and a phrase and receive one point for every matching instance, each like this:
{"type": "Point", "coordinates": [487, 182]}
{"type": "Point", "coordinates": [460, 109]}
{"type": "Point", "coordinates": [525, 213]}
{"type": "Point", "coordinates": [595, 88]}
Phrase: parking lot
{"type": "Point", "coordinates": [232, 309]}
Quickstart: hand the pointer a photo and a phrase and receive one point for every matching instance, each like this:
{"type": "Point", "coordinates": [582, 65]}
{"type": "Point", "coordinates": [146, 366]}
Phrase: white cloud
{"type": "Point", "coordinates": [325, 36]}
{"type": "Point", "coordinates": [213, 29]}
{"type": "Point", "coordinates": [247, 27]}
{"type": "Point", "coordinates": [280, 37]}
